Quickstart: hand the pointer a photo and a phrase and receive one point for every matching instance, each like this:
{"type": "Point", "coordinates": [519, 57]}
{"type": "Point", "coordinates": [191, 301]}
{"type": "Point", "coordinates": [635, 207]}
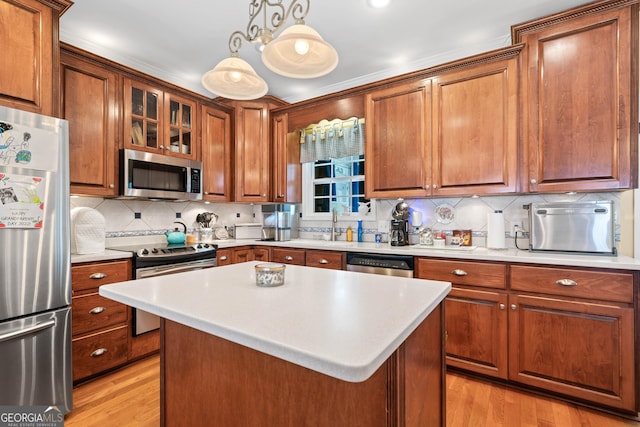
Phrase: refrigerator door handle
{"type": "Point", "coordinates": [26, 331]}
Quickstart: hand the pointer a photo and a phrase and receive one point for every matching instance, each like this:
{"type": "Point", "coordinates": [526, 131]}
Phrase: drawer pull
{"type": "Point", "coordinates": [323, 261]}
{"type": "Point", "coordinates": [97, 310]}
{"type": "Point", "coordinates": [459, 272]}
{"type": "Point", "coordinates": [566, 282]}
{"type": "Point", "coordinates": [223, 258]}
{"type": "Point", "coordinates": [97, 276]}
{"type": "Point", "coordinates": [288, 258]}
{"type": "Point", "coordinates": [99, 352]}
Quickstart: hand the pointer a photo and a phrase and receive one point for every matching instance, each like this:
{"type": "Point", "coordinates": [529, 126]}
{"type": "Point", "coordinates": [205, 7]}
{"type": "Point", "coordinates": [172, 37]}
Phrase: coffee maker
{"type": "Point", "coordinates": [399, 235]}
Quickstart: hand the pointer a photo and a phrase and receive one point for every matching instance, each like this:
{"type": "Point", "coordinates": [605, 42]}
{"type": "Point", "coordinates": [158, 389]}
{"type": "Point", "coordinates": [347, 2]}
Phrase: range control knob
{"type": "Point", "coordinates": [145, 252]}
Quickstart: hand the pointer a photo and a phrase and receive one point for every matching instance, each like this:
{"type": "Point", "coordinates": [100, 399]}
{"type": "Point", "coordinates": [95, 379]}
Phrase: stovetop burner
{"type": "Point", "coordinates": [167, 251]}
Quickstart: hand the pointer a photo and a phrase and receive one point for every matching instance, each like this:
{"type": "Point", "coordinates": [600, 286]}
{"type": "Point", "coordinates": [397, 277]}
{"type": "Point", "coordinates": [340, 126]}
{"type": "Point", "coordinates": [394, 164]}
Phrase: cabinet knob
{"type": "Point", "coordinates": [162, 147]}
{"type": "Point", "coordinates": [502, 307]}
{"type": "Point", "coordinates": [97, 310]}
{"type": "Point", "coordinates": [434, 186]}
{"type": "Point", "coordinates": [513, 307]}
{"type": "Point", "coordinates": [206, 193]}
{"type": "Point", "coordinates": [459, 272]}
{"type": "Point", "coordinates": [281, 196]}
{"type": "Point", "coordinates": [264, 195]}
{"type": "Point", "coordinates": [288, 258]}
{"type": "Point", "coordinates": [533, 181]}
{"type": "Point", "coordinates": [566, 282]}
{"type": "Point", "coordinates": [323, 261]}
{"type": "Point", "coordinates": [97, 276]}
{"type": "Point", "coordinates": [98, 352]}
{"type": "Point", "coordinates": [112, 186]}
{"type": "Point", "coordinates": [223, 258]}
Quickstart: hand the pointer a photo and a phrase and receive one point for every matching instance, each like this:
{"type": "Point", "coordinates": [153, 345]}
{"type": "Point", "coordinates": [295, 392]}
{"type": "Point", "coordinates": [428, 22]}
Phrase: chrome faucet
{"type": "Point", "coordinates": [333, 225]}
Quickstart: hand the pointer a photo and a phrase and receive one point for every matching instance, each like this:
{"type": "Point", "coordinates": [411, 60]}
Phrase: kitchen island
{"type": "Point", "coordinates": [332, 348]}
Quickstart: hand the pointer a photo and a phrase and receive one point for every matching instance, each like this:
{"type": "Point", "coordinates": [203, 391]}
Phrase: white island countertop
{"type": "Point", "coordinates": [340, 323]}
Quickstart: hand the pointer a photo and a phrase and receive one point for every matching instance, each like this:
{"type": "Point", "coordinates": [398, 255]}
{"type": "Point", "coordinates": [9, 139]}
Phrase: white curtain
{"type": "Point", "coordinates": [336, 139]}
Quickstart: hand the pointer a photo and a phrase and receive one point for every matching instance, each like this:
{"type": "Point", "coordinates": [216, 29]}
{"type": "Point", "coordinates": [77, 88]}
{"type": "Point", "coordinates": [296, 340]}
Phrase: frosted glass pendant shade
{"type": "Point", "coordinates": [234, 78]}
{"type": "Point", "coordinates": [301, 53]}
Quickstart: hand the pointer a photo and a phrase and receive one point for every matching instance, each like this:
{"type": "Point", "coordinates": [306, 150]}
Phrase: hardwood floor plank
{"type": "Point", "coordinates": [131, 397]}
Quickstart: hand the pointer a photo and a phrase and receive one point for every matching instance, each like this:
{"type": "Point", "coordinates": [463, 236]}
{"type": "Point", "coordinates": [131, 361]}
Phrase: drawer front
{"type": "Point", "coordinates": [96, 274]}
{"type": "Point", "coordinates": [288, 256]}
{"type": "Point", "coordinates": [91, 312]}
{"type": "Point", "coordinates": [325, 259]}
{"type": "Point", "coordinates": [99, 352]}
{"type": "Point", "coordinates": [488, 275]}
{"type": "Point", "coordinates": [223, 257]}
{"type": "Point", "coordinates": [601, 285]}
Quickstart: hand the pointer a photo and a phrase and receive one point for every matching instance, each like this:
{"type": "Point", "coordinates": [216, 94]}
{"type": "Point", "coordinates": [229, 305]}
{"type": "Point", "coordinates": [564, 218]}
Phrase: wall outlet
{"type": "Point", "coordinates": [514, 227]}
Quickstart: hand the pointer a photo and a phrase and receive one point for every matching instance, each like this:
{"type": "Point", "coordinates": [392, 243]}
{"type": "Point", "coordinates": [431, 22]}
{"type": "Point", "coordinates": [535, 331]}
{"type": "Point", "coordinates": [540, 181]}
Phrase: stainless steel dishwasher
{"type": "Point", "coordinates": [388, 265]}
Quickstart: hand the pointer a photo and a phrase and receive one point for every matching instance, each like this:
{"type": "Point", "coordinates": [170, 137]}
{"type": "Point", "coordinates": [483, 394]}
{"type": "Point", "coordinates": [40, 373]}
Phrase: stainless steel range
{"type": "Point", "coordinates": [162, 260]}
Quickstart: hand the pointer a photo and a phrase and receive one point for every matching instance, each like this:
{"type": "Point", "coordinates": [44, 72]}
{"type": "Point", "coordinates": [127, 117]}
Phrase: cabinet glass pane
{"type": "Point", "coordinates": [186, 116]}
{"type": "Point", "coordinates": [174, 140]}
{"type": "Point", "coordinates": [137, 101]}
{"type": "Point", "coordinates": [152, 135]}
{"type": "Point", "coordinates": [152, 106]}
{"type": "Point", "coordinates": [174, 111]}
{"type": "Point", "coordinates": [186, 143]}
{"type": "Point", "coordinates": [136, 132]}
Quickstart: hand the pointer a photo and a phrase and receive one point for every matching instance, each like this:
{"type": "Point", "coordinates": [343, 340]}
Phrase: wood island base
{"type": "Point", "coordinates": [207, 380]}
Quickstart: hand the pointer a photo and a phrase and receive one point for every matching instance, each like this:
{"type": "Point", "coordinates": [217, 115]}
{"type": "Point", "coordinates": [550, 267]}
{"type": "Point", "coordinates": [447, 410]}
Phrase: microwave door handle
{"type": "Point", "coordinates": [8, 336]}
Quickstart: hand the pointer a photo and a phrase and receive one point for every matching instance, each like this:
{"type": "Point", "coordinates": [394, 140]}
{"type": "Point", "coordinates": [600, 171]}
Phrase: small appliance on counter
{"type": "Point", "coordinates": [577, 227]}
{"type": "Point", "coordinates": [399, 233]}
{"type": "Point", "coordinates": [279, 222]}
{"type": "Point", "coordinates": [87, 231]}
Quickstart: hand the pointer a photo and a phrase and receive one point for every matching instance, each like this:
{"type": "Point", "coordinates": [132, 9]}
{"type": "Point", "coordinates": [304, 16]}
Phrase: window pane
{"type": "Point", "coordinates": [322, 170]}
{"type": "Point", "coordinates": [322, 190]}
{"type": "Point", "coordinates": [321, 205]}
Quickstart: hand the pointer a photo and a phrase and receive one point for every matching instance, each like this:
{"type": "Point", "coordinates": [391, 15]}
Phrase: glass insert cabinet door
{"type": "Point", "coordinates": [143, 116]}
{"type": "Point", "coordinates": [181, 122]}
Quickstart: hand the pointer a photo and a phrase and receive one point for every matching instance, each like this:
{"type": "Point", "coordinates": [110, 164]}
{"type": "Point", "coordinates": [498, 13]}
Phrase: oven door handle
{"type": "Point", "coordinates": [175, 268]}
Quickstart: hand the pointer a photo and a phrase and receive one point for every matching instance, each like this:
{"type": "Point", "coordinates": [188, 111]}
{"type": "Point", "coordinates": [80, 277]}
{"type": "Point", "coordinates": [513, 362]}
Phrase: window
{"type": "Point", "coordinates": [334, 184]}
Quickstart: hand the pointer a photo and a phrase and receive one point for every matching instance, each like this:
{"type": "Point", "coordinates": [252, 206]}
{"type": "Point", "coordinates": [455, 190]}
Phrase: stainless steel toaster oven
{"type": "Point", "coordinates": [576, 227]}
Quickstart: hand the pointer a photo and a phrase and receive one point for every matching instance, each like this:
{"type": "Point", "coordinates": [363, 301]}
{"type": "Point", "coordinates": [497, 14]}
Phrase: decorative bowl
{"type": "Point", "coordinates": [269, 274]}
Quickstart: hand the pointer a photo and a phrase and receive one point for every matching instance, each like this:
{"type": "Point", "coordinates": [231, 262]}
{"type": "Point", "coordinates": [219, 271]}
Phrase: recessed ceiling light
{"type": "Point", "coordinates": [378, 3]}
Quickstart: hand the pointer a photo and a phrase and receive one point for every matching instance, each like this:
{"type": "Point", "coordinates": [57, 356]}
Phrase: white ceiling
{"type": "Point", "coordinates": [178, 41]}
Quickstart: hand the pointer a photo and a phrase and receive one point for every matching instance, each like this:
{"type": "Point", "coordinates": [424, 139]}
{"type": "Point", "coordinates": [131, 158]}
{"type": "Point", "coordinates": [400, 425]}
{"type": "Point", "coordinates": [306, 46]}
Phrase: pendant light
{"type": "Point", "coordinates": [299, 52]}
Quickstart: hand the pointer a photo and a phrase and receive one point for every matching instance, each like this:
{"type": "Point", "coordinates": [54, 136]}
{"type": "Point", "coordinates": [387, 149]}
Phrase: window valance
{"type": "Point", "coordinates": [332, 139]}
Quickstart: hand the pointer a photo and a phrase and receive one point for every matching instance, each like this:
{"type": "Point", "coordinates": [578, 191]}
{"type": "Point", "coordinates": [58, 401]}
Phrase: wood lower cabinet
{"type": "Point", "coordinates": [580, 106]}
{"type": "Point", "coordinates": [224, 257]}
{"type": "Point", "coordinates": [90, 103]}
{"type": "Point", "coordinates": [288, 256]}
{"type": "Point", "coordinates": [568, 344]}
{"type": "Point", "coordinates": [325, 259]}
{"type": "Point", "coordinates": [100, 326]}
{"type": "Point", "coordinates": [30, 54]}
{"type": "Point", "coordinates": [475, 313]}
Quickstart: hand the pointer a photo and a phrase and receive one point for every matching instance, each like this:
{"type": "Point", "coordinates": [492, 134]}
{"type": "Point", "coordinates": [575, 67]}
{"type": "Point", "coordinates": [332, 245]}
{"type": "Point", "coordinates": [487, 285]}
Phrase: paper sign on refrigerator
{"type": "Point", "coordinates": [21, 203]}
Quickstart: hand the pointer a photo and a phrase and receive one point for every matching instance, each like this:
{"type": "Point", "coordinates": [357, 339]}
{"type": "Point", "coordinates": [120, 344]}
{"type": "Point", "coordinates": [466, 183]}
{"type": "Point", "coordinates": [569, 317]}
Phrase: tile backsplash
{"type": "Point", "coordinates": [134, 218]}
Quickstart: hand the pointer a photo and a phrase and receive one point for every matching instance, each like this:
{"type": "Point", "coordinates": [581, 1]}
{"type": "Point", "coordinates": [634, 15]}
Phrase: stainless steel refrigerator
{"type": "Point", "coordinates": [35, 266]}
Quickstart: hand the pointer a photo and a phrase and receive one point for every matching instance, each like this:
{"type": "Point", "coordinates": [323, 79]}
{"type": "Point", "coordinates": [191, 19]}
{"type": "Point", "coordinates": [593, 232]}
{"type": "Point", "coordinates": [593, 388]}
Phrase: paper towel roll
{"type": "Point", "coordinates": [495, 230]}
{"type": "Point", "coordinates": [416, 218]}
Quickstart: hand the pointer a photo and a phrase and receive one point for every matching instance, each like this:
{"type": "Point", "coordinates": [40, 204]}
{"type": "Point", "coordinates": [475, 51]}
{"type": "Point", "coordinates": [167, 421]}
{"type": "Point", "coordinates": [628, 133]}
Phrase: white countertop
{"type": "Point", "coordinates": [107, 255]}
{"type": "Point", "coordinates": [343, 324]}
{"type": "Point", "coordinates": [479, 253]}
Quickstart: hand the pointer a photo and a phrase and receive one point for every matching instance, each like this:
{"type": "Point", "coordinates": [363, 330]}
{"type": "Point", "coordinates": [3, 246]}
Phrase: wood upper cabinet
{"type": "Point", "coordinates": [252, 151]}
{"type": "Point", "coordinates": [90, 104]}
{"type": "Point", "coordinates": [475, 127]}
{"type": "Point", "coordinates": [455, 133]}
{"type": "Point", "coordinates": [564, 341]}
{"type": "Point", "coordinates": [287, 169]}
{"type": "Point", "coordinates": [216, 155]}
{"type": "Point", "coordinates": [580, 106]}
{"type": "Point", "coordinates": [159, 122]}
{"type": "Point", "coordinates": [30, 54]}
{"type": "Point", "coordinates": [398, 141]}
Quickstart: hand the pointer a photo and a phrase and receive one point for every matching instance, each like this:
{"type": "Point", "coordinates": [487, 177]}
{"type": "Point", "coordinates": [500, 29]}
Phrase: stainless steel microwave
{"type": "Point", "coordinates": [155, 176]}
{"type": "Point", "coordinates": [576, 227]}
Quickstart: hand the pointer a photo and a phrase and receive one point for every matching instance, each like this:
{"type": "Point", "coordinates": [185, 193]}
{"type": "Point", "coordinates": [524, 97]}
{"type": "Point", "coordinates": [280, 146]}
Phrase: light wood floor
{"type": "Point", "coordinates": [131, 397]}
